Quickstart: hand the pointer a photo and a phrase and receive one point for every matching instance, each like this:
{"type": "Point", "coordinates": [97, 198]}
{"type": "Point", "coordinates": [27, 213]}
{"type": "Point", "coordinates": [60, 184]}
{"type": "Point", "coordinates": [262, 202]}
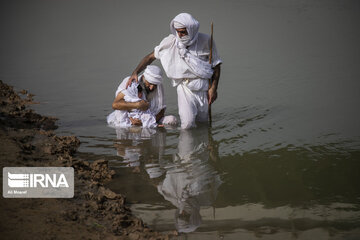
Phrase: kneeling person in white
{"type": "Point", "coordinates": [141, 103]}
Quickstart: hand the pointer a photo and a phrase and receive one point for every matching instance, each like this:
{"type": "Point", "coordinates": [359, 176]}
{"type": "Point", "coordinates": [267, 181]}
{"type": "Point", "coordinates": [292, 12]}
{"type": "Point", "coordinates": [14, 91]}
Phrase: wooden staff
{"type": "Point", "coordinates": [211, 142]}
{"type": "Point", "coordinates": [210, 61]}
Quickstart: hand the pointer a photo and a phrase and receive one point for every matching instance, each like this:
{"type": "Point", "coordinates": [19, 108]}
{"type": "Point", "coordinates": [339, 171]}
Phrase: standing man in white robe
{"type": "Point", "coordinates": [184, 55]}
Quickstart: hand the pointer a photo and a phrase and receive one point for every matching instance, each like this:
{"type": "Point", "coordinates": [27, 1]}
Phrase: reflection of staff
{"type": "Point", "coordinates": [210, 60]}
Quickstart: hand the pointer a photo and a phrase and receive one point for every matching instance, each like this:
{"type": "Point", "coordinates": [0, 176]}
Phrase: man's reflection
{"type": "Point", "coordinates": [132, 143]}
{"type": "Point", "coordinates": [190, 181]}
{"type": "Point", "coordinates": [185, 178]}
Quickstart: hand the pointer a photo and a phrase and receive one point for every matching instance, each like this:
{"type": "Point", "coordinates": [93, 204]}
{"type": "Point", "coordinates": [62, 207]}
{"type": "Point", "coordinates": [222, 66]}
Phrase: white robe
{"type": "Point", "coordinates": [119, 118]}
{"type": "Point", "coordinates": [192, 90]}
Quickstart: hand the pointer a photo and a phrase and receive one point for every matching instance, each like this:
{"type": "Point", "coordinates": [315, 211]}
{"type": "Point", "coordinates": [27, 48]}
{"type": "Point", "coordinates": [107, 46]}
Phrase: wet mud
{"type": "Point", "coordinates": [27, 139]}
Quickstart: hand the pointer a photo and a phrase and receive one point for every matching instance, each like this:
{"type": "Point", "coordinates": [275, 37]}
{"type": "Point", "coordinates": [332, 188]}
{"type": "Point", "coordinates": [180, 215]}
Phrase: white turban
{"type": "Point", "coordinates": [187, 21]}
{"type": "Point", "coordinates": [199, 67]}
{"type": "Point", "coordinates": [178, 25]}
{"type": "Point", "coordinates": [153, 74]}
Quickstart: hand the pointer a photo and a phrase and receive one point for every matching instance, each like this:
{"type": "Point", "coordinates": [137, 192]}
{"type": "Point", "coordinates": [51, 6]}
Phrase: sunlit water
{"type": "Point", "coordinates": [282, 158]}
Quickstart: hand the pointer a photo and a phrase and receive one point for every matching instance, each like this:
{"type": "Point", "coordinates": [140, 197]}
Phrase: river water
{"type": "Point", "coordinates": [282, 158]}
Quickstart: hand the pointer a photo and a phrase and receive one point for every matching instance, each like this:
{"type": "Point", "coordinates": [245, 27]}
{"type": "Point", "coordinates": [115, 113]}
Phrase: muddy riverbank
{"type": "Point", "coordinates": [27, 139]}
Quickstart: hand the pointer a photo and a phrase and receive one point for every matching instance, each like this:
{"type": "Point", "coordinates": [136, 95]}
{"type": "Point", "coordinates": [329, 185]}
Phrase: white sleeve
{"type": "Point", "coordinates": [122, 86]}
{"type": "Point", "coordinates": [164, 44]}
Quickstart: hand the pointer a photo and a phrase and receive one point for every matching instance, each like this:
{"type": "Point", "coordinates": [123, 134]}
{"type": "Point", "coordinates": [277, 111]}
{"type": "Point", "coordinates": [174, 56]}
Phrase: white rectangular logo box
{"type": "Point", "coordinates": [38, 182]}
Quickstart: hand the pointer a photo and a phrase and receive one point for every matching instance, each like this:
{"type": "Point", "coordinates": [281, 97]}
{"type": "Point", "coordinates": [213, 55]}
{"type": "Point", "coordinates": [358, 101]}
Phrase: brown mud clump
{"type": "Point", "coordinates": [27, 139]}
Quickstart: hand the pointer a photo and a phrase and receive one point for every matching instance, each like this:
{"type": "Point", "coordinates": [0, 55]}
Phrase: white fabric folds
{"type": "Point", "coordinates": [198, 67]}
{"type": "Point", "coordinates": [186, 63]}
{"type": "Point", "coordinates": [191, 25]}
{"type": "Point", "coordinates": [153, 75]}
{"type": "Point", "coordinates": [120, 118]}
{"type": "Point", "coordinates": [178, 25]}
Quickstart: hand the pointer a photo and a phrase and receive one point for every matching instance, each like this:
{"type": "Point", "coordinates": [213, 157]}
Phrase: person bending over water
{"type": "Point", "coordinates": [142, 103]}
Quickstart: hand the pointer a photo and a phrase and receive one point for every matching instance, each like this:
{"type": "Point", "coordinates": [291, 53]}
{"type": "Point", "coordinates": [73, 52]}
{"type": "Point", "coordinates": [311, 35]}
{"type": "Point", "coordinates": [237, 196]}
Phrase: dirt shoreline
{"type": "Point", "coordinates": [95, 212]}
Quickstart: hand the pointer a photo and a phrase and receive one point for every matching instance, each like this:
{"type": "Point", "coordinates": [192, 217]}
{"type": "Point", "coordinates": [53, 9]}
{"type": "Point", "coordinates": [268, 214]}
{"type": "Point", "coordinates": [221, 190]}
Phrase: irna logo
{"type": "Point", "coordinates": [36, 180]}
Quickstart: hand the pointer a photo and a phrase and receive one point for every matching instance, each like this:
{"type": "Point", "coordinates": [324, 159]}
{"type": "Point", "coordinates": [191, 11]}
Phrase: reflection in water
{"type": "Point", "coordinates": [130, 144]}
{"type": "Point", "coordinates": [190, 181]}
{"type": "Point", "coordinates": [186, 179]}
{"type": "Point", "coordinates": [292, 191]}
{"type": "Point", "coordinates": [298, 85]}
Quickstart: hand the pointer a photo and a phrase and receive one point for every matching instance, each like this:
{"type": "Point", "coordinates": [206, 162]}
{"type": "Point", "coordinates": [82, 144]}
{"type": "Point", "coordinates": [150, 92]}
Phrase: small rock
{"type": "Point", "coordinates": [23, 92]}
{"type": "Point", "coordinates": [110, 194]}
{"type": "Point", "coordinates": [134, 236]}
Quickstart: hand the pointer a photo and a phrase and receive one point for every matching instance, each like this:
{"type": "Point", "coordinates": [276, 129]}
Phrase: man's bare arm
{"type": "Point", "coordinates": [148, 59]}
{"type": "Point", "coordinates": [120, 104]}
{"type": "Point", "coordinates": [212, 93]}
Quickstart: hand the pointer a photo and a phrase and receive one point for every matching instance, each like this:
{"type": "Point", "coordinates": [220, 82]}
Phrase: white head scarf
{"type": "Point", "coordinates": [198, 66]}
{"type": "Point", "coordinates": [131, 93]}
{"type": "Point", "coordinates": [153, 75]}
{"type": "Point", "coordinates": [185, 20]}
{"type": "Point", "coordinates": [178, 25]}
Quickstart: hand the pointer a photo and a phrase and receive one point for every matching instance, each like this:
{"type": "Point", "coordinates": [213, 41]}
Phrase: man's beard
{"type": "Point", "coordinates": [143, 86]}
{"type": "Point", "coordinates": [147, 89]}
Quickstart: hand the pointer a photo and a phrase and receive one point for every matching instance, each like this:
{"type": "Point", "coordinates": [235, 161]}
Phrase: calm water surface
{"type": "Point", "coordinates": [282, 159]}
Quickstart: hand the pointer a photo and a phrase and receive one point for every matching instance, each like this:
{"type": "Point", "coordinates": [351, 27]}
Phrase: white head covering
{"type": "Point", "coordinates": [178, 25]}
{"type": "Point", "coordinates": [153, 75]}
{"type": "Point", "coordinates": [191, 25]}
{"type": "Point", "coordinates": [131, 93]}
{"type": "Point", "coordinates": [197, 66]}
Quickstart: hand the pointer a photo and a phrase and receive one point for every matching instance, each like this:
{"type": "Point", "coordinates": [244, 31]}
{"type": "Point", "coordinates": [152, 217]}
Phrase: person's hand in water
{"type": "Point", "coordinates": [135, 122]}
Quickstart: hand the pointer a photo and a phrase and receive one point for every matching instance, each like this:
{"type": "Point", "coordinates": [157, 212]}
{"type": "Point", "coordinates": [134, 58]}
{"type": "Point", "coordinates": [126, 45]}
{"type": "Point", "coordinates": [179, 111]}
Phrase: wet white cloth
{"type": "Point", "coordinates": [187, 65]}
{"type": "Point", "coordinates": [198, 66]}
{"type": "Point", "coordinates": [179, 62]}
{"type": "Point", "coordinates": [120, 118]}
{"type": "Point", "coordinates": [193, 106]}
{"type": "Point", "coordinates": [148, 118]}
{"type": "Point", "coordinates": [153, 75]}
{"type": "Point", "coordinates": [156, 98]}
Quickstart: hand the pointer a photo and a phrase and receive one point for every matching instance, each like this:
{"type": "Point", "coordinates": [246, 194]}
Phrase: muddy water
{"type": "Point", "coordinates": [282, 157]}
